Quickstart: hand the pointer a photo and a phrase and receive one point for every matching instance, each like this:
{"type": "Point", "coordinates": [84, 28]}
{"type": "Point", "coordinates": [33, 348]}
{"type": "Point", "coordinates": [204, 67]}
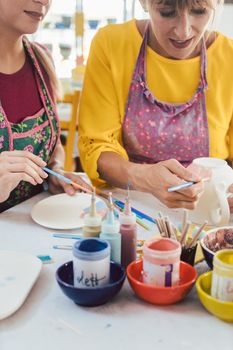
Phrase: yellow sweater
{"type": "Point", "coordinates": [109, 70]}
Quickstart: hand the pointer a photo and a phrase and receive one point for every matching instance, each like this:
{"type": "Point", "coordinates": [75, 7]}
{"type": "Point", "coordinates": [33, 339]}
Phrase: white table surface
{"type": "Point", "coordinates": [49, 320]}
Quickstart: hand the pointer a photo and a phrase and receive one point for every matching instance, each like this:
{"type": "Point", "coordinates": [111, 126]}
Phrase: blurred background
{"type": "Point", "coordinates": [67, 32]}
{"type": "Point", "coordinates": [70, 25]}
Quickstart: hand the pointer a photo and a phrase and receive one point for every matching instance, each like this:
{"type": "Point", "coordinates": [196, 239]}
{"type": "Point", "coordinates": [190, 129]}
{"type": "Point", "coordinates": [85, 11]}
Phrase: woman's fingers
{"type": "Point", "coordinates": [23, 162]}
{"type": "Point", "coordinates": [9, 181]}
{"type": "Point", "coordinates": [230, 198]}
{"type": "Point", "coordinates": [24, 154]}
{"type": "Point", "coordinates": [28, 170]}
{"type": "Point", "coordinates": [191, 192]}
{"type": "Point", "coordinates": [71, 189]}
{"type": "Point", "coordinates": [169, 173]}
{"type": "Point", "coordinates": [185, 198]}
{"type": "Point", "coordinates": [57, 185]}
{"type": "Point", "coordinates": [180, 171]}
{"type": "Point", "coordinates": [19, 166]}
{"type": "Point", "coordinates": [181, 204]}
{"type": "Point", "coordinates": [203, 172]}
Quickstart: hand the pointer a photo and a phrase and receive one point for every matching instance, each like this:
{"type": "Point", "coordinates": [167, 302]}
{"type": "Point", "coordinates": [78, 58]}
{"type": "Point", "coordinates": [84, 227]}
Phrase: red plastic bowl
{"type": "Point", "coordinates": [161, 295]}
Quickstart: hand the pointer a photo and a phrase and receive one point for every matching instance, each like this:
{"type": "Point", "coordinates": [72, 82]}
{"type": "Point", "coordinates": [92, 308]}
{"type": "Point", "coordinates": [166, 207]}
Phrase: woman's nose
{"type": "Point", "coordinates": [43, 2]}
{"type": "Point", "coordinates": [183, 26]}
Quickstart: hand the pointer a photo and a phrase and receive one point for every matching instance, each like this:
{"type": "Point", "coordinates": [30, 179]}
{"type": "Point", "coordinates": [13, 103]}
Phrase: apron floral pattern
{"type": "Point", "coordinates": [37, 134]}
{"type": "Point", "coordinates": [154, 131]}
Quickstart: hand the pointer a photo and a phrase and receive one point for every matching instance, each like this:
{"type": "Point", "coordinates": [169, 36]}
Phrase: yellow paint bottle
{"type": "Point", "coordinates": [222, 277]}
{"type": "Point", "coordinates": [92, 220]}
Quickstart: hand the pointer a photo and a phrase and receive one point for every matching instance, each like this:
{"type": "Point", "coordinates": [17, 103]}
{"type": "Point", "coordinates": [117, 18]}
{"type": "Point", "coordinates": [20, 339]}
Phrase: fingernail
{"type": "Point", "coordinates": [71, 191]}
{"type": "Point", "coordinates": [43, 162]}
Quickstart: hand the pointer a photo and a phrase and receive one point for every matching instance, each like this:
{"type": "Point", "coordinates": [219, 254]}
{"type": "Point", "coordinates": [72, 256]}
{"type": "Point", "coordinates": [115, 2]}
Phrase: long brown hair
{"type": "Point", "coordinates": [46, 61]}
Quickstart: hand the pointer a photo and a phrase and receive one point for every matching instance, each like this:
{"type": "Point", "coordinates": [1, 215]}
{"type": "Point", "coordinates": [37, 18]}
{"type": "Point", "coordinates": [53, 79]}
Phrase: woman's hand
{"type": "Point", "coordinates": [157, 178]}
{"type": "Point", "coordinates": [58, 186]}
{"type": "Point", "coordinates": [56, 164]}
{"type": "Point", "coordinates": [230, 199]}
{"type": "Point", "coordinates": [16, 166]}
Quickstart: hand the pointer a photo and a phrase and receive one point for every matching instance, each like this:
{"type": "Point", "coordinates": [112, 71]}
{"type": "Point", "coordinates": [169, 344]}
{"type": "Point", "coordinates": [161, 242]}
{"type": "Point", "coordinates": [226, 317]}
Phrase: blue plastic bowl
{"type": "Point", "coordinates": [208, 254]}
{"type": "Point", "coordinates": [90, 296]}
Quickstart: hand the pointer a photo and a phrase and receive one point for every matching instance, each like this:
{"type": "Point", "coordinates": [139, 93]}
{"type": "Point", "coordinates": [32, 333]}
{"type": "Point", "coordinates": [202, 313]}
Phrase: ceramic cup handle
{"type": "Point", "coordinates": [221, 215]}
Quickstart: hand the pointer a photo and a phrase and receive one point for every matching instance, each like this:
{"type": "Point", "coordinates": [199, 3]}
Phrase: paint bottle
{"type": "Point", "coordinates": [110, 232]}
{"type": "Point", "coordinates": [92, 221]}
{"type": "Point", "coordinates": [161, 262]}
{"type": "Point", "coordinates": [222, 276]}
{"type": "Point", "coordinates": [128, 231]}
{"type": "Point", "coordinates": [91, 263]}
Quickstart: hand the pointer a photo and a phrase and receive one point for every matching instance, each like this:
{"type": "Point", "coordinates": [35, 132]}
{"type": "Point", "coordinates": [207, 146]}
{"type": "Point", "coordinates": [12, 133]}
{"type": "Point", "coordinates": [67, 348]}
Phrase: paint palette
{"type": "Point", "coordinates": [18, 273]}
{"type": "Point", "coordinates": [65, 212]}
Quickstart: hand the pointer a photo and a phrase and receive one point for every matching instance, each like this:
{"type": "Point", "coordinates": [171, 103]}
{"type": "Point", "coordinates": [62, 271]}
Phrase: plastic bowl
{"type": "Point", "coordinates": [208, 253]}
{"type": "Point", "coordinates": [161, 295]}
{"type": "Point", "coordinates": [221, 309]}
{"type": "Point", "coordinates": [90, 296]}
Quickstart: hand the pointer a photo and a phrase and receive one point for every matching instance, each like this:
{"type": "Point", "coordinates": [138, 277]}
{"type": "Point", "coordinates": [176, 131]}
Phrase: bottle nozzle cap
{"type": "Point", "coordinates": [92, 220]}
{"type": "Point", "coordinates": [127, 219]}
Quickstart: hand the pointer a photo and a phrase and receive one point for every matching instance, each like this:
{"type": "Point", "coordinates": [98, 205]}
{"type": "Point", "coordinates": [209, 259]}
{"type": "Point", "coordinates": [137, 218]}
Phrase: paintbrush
{"type": "Point", "coordinates": [67, 180]}
{"type": "Point", "coordinates": [195, 238]}
{"type": "Point", "coordinates": [185, 184]}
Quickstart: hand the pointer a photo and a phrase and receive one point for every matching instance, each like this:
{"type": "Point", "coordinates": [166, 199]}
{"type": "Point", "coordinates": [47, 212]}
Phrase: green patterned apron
{"type": "Point", "coordinates": [37, 134]}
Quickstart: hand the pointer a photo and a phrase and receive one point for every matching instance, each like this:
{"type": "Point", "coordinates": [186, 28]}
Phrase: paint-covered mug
{"type": "Point", "coordinates": [213, 204]}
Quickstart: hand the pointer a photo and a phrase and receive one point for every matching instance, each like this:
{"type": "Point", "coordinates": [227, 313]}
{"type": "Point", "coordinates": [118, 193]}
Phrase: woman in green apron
{"type": "Point", "coordinates": [29, 127]}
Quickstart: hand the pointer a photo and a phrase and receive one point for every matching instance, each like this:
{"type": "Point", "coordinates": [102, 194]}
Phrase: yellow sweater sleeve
{"type": "Point", "coordinates": [99, 118]}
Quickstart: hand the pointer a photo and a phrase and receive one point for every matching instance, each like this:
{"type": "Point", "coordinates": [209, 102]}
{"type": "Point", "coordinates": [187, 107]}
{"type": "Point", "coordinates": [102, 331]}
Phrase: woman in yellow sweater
{"type": "Point", "coordinates": [158, 93]}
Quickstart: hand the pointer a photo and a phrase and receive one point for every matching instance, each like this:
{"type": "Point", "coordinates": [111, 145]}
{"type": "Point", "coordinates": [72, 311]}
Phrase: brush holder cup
{"type": "Point", "coordinates": [188, 254]}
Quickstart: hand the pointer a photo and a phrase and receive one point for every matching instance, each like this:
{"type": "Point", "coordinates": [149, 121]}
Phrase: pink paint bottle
{"type": "Point", "coordinates": [161, 262]}
{"type": "Point", "coordinates": [128, 230]}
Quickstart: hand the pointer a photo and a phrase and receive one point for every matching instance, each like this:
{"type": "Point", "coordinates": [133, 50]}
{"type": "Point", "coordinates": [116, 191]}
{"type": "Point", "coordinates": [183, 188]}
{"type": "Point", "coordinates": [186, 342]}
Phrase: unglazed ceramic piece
{"type": "Point", "coordinates": [63, 211]}
{"type": "Point", "coordinates": [18, 273]}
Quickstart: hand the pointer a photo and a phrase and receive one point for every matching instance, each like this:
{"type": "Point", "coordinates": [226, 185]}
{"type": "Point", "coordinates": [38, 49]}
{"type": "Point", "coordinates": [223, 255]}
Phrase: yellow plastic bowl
{"type": "Point", "coordinates": [221, 309]}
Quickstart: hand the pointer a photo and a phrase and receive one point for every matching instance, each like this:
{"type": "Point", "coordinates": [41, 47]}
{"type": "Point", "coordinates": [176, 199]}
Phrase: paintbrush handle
{"type": "Point", "coordinates": [140, 214]}
{"type": "Point", "coordinates": [185, 184]}
{"type": "Point", "coordinates": [63, 247]}
{"type": "Point", "coordinates": [81, 187]}
{"type": "Point", "coordinates": [180, 186]}
{"type": "Point", "coordinates": [59, 176]}
{"type": "Point", "coordinates": [195, 238]}
{"type": "Point", "coordinates": [66, 180]}
{"type": "Point", "coordinates": [184, 233]}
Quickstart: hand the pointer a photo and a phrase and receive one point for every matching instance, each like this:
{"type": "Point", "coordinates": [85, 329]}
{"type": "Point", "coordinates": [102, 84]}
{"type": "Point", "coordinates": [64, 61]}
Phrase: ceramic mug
{"type": "Point", "coordinates": [213, 204]}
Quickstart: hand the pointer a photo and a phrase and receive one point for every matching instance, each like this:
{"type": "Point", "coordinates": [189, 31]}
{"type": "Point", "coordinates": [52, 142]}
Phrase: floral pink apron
{"type": "Point", "coordinates": [37, 134]}
{"type": "Point", "coordinates": [154, 131]}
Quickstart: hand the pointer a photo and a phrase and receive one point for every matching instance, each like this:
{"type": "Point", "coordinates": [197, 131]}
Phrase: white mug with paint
{"type": "Point", "coordinates": [213, 203]}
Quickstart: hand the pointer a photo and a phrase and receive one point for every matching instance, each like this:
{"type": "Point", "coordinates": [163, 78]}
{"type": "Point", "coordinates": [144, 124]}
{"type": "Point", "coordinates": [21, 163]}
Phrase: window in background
{"type": "Point", "coordinates": [59, 29]}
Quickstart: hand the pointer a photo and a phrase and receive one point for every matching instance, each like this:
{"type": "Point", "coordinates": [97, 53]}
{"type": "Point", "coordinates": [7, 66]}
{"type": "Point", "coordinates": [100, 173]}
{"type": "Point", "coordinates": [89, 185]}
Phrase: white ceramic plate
{"type": "Point", "coordinates": [63, 211]}
{"type": "Point", "coordinates": [18, 273]}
